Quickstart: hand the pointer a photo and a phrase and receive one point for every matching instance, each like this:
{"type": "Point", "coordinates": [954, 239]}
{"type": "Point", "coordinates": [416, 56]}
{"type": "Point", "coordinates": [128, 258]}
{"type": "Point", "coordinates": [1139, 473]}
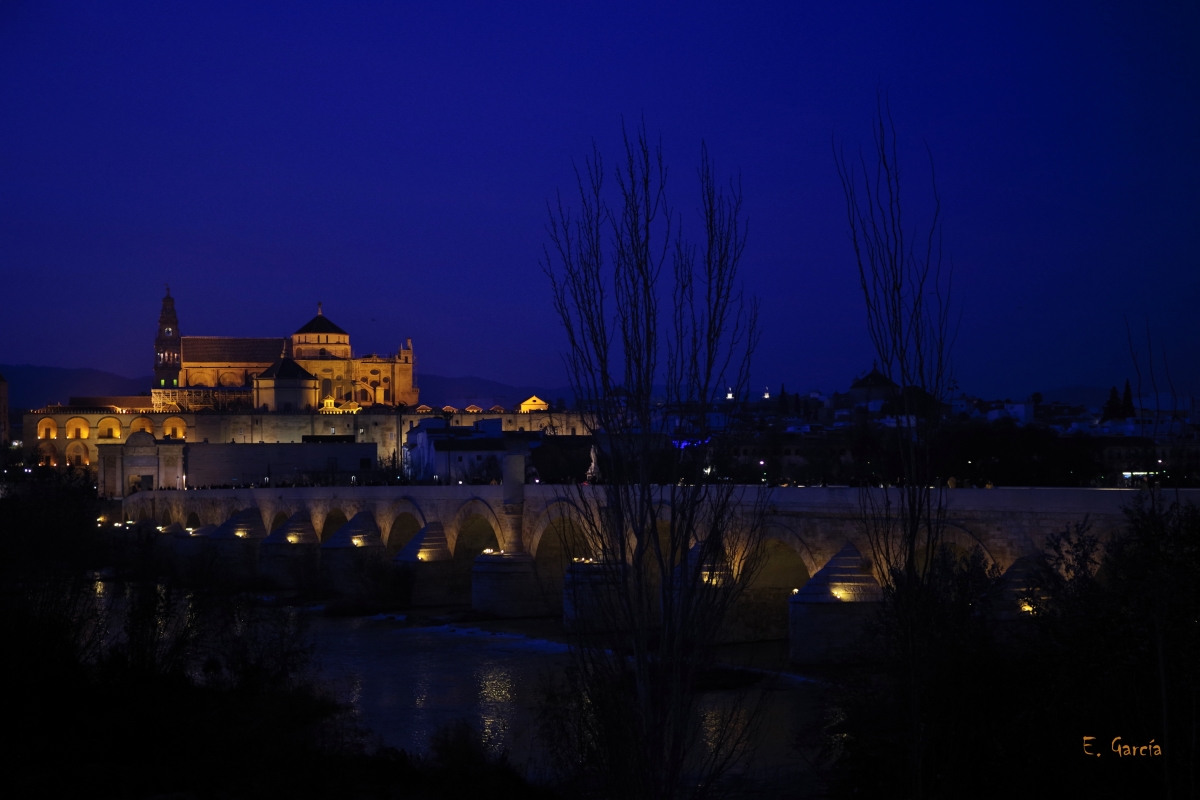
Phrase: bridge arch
{"type": "Point", "coordinates": [408, 505]}
{"type": "Point", "coordinates": [472, 507]}
{"type": "Point", "coordinates": [562, 508]}
{"type": "Point", "coordinates": [467, 535]}
{"type": "Point", "coordinates": [964, 540]}
{"type": "Point", "coordinates": [777, 532]}
{"type": "Point", "coordinates": [335, 519]}
{"type": "Point", "coordinates": [404, 527]}
{"type": "Point", "coordinates": [783, 568]}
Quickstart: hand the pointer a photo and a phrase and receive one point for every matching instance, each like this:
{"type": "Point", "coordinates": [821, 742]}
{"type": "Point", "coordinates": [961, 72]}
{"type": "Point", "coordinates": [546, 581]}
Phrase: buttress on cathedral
{"type": "Point", "coordinates": [314, 369]}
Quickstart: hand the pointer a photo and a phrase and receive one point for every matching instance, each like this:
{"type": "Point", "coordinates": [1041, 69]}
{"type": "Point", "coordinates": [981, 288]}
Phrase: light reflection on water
{"type": "Point", "coordinates": [405, 683]}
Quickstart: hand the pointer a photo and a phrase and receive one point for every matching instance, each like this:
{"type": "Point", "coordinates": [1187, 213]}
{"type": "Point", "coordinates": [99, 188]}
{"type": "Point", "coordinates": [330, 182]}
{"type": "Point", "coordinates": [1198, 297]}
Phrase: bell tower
{"type": "Point", "coordinates": [166, 346]}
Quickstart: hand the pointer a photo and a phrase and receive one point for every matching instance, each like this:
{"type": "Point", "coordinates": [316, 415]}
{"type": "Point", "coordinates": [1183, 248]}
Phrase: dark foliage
{"type": "Point", "coordinates": [134, 688]}
{"type": "Point", "coordinates": [1111, 649]}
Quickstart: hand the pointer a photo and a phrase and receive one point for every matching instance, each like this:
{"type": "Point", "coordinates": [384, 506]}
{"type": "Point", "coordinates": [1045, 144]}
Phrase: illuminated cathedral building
{"type": "Point", "coordinates": [215, 399]}
{"type": "Point", "coordinates": [314, 368]}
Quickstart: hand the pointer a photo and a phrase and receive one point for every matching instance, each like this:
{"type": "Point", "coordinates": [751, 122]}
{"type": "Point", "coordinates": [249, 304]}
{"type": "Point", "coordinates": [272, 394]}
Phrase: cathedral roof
{"type": "Point", "coordinates": [230, 350]}
{"type": "Point", "coordinates": [286, 368]}
{"type": "Point", "coordinates": [321, 324]}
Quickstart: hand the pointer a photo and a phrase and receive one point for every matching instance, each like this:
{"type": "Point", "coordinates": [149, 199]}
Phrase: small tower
{"type": "Point", "coordinates": [166, 346]}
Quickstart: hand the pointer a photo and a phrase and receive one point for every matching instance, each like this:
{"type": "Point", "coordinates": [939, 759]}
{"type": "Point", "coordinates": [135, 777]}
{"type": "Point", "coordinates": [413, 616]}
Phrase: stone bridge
{"type": "Point", "coordinates": [504, 548]}
{"type": "Point", "coordinates": [807, 526]}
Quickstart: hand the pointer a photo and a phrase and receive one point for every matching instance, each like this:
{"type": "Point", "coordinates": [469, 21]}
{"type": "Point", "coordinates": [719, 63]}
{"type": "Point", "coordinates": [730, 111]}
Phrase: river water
{"type": "Point", "coordinates": [405, 682]}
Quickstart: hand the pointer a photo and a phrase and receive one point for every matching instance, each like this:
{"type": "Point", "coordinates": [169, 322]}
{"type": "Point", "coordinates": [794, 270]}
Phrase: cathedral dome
{"type": "Point", "coordinates": [321, 324]}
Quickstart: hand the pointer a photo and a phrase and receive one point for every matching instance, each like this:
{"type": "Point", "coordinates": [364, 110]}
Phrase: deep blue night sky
{"type": "Point", "coordinates": [393, 161]}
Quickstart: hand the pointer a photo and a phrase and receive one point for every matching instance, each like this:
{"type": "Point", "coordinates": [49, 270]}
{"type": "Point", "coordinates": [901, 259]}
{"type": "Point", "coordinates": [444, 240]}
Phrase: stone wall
{"type": "Point", "coordinates": [387, 431]}
{"type": "Point", "coordinates": [219, 464]}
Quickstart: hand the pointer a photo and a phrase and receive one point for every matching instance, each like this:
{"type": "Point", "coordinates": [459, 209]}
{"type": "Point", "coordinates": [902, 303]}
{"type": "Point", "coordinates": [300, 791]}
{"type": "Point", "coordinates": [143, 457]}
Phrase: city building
{"type": "Point", "coordinates": [193, 373]}
{"type": "Point", "coordinates": [308, 388]}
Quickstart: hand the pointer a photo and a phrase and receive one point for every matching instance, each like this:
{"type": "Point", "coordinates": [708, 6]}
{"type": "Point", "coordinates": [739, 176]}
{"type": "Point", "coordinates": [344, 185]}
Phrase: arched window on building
{"type": "Point", "coordinates": [47, 428]}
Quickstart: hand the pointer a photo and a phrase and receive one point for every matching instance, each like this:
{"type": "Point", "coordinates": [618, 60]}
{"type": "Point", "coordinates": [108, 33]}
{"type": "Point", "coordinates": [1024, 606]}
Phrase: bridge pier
{"type": "Point", "coordinates": [352, 559]}
{"type": "Point", "coordinates": [806, 528]}
{"type": "Point", "coordinates": [427, 565]}
{"type": "Point", "coordinates": [235, 544]}
{"type": "Point", "coordinates": [289, 556]}
{"type": "Point", "coordinates": [827, 617]}
{"type": "Point", "coordinates": [506, 585]}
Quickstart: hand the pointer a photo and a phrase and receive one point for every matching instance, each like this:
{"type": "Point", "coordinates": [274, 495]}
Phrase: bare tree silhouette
{"type": "Point", "coordinates": [657, 330]}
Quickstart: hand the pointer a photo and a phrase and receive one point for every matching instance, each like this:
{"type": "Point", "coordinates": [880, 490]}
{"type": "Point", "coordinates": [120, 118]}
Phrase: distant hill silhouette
{"type": "Point", "coordinates": [31, 386]}
{"type": "Point", "coordinates": [438, 391]}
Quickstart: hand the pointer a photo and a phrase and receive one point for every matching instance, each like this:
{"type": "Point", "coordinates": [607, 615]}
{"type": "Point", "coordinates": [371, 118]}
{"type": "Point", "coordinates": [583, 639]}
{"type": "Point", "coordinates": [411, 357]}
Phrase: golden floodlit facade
{"type": "Point", "coordinates": [309, 387]}
{"type": "Point", "coordinates": [312, 369]}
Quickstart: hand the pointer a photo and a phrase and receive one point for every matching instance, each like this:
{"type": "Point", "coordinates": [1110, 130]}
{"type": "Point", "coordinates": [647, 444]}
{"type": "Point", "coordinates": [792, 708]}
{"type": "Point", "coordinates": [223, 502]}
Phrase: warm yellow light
{"type": "Point", "coordinates": [357, 541]}
{"type": "Point", "coordinates": [488, 551]}
{"type": "Point", "coordinates": [795, 591]}
{"type": "Point", "coordinates": [293, 538]}
{"type": "Point", "coordinates": [240, 534]}
{"type": "Point", "coordinates": [1028, 609]}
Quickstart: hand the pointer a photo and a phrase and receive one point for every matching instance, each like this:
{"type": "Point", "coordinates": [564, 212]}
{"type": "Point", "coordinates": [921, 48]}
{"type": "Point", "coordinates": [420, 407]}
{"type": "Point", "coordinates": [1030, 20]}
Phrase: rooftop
{"type": "Point", "coordinates": [286, 368]}
{"type": "Point", "coordinates": [230, 349]}
{"type": "Point", "coordinates": [321, 324]}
